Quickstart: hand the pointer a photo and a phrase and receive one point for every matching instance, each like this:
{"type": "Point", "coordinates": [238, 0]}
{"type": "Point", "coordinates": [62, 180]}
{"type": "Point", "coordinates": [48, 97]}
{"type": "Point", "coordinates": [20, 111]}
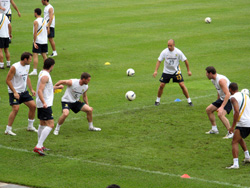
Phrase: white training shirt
{"type": "Point", "coordinates": [19, 80]}
{"type": "Point", "coordinates": [244, 107]}
{"type": "Point", "coordinates": [172, 60]}
{"type": "Point", "coordinates": [41, 31]}
{"type": "Point", "coordinates": [217, 85]}
{"type": "Point", "coordinates": [74, 92]}
{"type": "Point", "coordinates": [46, 15]}
{"type": "Point", "coordinates": [5, 4]}
{"type": "Point", "coordinates": [48, 92]}
{"type": "Point", "coordinates": [4, 26]}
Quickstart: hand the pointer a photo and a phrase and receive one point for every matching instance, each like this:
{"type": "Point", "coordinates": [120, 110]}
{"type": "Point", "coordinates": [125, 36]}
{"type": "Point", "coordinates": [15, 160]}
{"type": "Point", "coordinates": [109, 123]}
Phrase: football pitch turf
{"type": "Point", "coordinates": [140, 145]}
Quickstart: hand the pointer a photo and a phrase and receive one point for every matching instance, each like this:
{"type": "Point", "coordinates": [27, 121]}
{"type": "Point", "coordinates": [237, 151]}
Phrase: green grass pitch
{"type": "Point", "coordinates": [140, 145]}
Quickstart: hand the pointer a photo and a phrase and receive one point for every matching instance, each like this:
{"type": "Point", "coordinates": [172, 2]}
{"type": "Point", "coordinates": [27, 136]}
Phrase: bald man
{"type": "Point", "coordinates": [172, 57]}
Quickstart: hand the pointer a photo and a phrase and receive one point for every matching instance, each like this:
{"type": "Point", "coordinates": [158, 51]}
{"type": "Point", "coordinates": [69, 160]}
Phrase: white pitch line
{"type": "Point", "coordinates": [128, 167]}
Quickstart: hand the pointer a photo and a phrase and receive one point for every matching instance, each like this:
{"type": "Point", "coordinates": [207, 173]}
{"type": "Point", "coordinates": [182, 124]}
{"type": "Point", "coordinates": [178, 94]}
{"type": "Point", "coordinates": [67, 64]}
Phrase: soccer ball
{"type": "Point", "coordinates": [245, 91]}
{"type": "Point", "coordinates": [130, 72]}
{"type": "Point", "coordinates": [208, 20]}
{"type": "Point", "coordinates": [130, 95]}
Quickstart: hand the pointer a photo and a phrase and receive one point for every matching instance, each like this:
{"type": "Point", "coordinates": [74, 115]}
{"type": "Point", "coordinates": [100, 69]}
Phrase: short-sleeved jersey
{"type": "Point", "coordinates": [46, 15]}
{"type": "Point", "coordinates": [19, 80]}
{"type": "Point", "coordinates": [48, 92]}
{"type": "Point", "coordinates": [217, 85]}
{"type": "Point", "coordinates": [244, 109]}
{"type": "Point", "coordinates": [4, 26]}
{"type": "Point", "coordinates": [172, 60]}
{"type": "Point", "coordinates": [41, 31]}
{"type": "Point", "coordinates": [74, 92]}
{"type": "Point", "coordinates": [5, 4]}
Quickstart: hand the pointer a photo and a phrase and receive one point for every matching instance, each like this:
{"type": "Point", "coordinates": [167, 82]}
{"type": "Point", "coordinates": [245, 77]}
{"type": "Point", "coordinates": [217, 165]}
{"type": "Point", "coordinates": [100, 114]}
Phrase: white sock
{"type": "Point", "coordinates": [54, 52]}
{"type": "Point", "coordinates": [30, 123]}
{"type": "Point", "coordinates": [8, 128]}
{"type": "Point", "coordinates": [158, 99]}
{"type": "Point", "coordinates": [8, 63]}
{"type": "Point", "coordinates": [90, 124]}
{"type": "Point", "coordinates": [44, 135]}
{"type": "Point", "coordinates": [34, 70]}
{"type": "Point", "coordinates": [214, 127]}
{"type": "Point", "coordinates": [1, 64]}
{"type": "Point", "coordinates": [236, 162]}
{"type": "Point", "coordinates": [40, 129]}
{"type": "Point", "coordinates": [189, 100]}
{"type": "Point", "coordinates": [246, 154]}
{"type": "Point", "coordinates": [58, 127]}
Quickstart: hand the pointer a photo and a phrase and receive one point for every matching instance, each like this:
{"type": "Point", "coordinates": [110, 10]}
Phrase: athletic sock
{"type": "Point", "coordinates": [158, 99]}
{"type": "Point", "coordinates": [189, 100]}
{"type": "Point", "coordinates": [30, 123]}
{"type": "Point", "coordinates": [8, 128]}
{"type": "Point", "coordinates": [39, 132]}
{"type": "Point", "coordinates": [214, 127]}
{"type": "Point", "coordinates": [1, 64]}
{"type": "Point", "coordinates": [90, 124]}
{"type": "Point", "coordinates": [58, 127]}
{"type": "Point", "coordinates": [44, 135]}
{"type": "Point", "coordinates": [8, 63]}
{"type": "Point", "coordinates": [236, 162]}
{"type": "Point", "coordinates": [246, 154]}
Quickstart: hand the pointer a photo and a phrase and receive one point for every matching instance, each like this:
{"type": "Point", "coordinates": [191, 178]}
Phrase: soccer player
{"type": "Point", "coordinates": [171, 57]}
{"type": "Point", "coordinates": [71, 100]}
{"type": "Point", "coordinates": [241, 108]}
{"type": "Point", "coordinates": [44, 102]}
{"type": "Point", "coordinates": [49, 15]}
{"type": "Point", "coordinates": [5, 9]}
{"type": "Point", "coordinates": [5, 33]}
{"type": "Point", "coordinates": [17, 81]}
{"type": "Point", "coordinates": [222, 105]}
{"type": "Point", "coordinates": [40, 42]}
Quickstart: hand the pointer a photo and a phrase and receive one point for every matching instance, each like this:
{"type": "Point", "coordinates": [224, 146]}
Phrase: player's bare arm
{"type": "Point", "coordinates": [10, 30]}
{"type": "Point", "coordinates": [30, 86]}
{"type": "Point", "coordinates": [42, 84]}
{"type": "Point", "coordinates": [223, 85]}
{"type": "Point", "coordinates": [10, 76]}
{"type": "Point", "coordinates": [85, 98]}
{"type": "Point", "coordinates": [50, 19]}
{"type": "Point", "coordinates": [188, 70]}
{"type": "Point", "coordinates": [35, 34]}
{"type": "Point", "coordinates": [236, 114]}
{"type": "Point", "coordinates": [64, 82]}
{"type": "Point", "coordinates": [15, 7]}
{"type": "Point", "coordinates": [158, 63]}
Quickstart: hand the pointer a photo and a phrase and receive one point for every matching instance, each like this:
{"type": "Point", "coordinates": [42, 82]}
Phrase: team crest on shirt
{"type": "Point", "coordinates": [176, 55]}
{"type": "Point", "coordinates": [83, 90]}
{"type": "Point", "coordinates": [66, 105]}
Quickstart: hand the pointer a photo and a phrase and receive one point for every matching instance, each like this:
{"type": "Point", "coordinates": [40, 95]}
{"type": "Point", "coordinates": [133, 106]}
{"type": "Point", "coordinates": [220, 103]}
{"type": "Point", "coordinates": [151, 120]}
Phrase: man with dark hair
{"type": "Point", "coordinates": [17, 81]}
{"type": "Point", "coordinates": [44, 102]}
{"type": "Point", "coordinates": [113, 186]}
{"type": "Point", "coordinates": [40, 43]}
{"type": "Point", "coordinates": [241, 106]}
{"type": "Point", "coordinates": [49, 15]}
{"type": "Point", "coordinates": [222, 105]}
{"type": "Point", "coordinates": [5, 33]}
{"type": "Point", "coordinates": [172, 57]}
{"type": "Point", "coordinates": [71, 100]}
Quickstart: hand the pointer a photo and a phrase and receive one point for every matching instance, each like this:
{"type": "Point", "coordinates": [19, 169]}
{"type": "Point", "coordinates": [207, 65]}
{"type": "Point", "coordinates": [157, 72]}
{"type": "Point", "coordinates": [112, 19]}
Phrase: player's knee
{"type": "Point", "coordinates": [15, 108]}
{"type": "Point", "coordinates": [65, 113]}
{"type": "Point", "coordinates": [208, 110]}
{"type": "Point", "coordinates": [162, 86]}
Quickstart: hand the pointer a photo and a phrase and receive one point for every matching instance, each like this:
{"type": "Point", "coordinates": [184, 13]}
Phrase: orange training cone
{"type": "Point", "coordinates": [185, 176]}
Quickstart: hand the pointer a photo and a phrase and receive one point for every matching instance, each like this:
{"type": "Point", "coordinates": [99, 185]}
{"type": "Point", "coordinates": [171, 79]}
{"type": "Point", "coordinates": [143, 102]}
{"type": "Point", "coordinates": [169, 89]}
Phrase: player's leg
{"type": "Point", "coordinates": [89, 111]}
{"type": "Point", "coordinates": [159, 94]}
{"type": "Point", "coordinates": [210, 112]}
{"type": "Point", "coordinates": [12, 116]}
{"type": "Point", "coordinates": [1, 59]}
{"type": "Point", "coordinates": [51, 37]}
{"type": "Point", "coordinates": [185, 92]}
{"type": "Point", "coordinates": [7, 55]}
{"type": "Point", "coordinates": [235, 150]}
{"type": "Point", "coordinates": [35, 61]}
{"type": "Point", "coordinates": [44, 56]}
{"type": "Point", "coordinates": [32, 110]}
{"type": "Point", "coordinates": [61, 120]}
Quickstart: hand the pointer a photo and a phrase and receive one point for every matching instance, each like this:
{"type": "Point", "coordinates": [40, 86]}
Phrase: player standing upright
{"type": "Point", "coordinates": [241, 108]}
{"type": "Point", "coordinates": [172, 70]}
{"type": "Point", "coordinates": [49, 15]}
{"type": "Point", "coordinates": [5, 33]}
{"type": "Point", "coordinates": [71, 100]}
{"type": "Point", "coordinates": [17, 81]}
{"type": "Point", "coordinates": [40, 41]}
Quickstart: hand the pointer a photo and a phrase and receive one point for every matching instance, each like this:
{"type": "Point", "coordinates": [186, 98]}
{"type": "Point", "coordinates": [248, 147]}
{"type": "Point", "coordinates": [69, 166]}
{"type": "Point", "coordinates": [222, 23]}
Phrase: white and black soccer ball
{"type": "Point", "coordinates": [130, 72]}
{"type": "Point", "coordinates": [245, 91]}
{"type": "Point", "coordinates": [208, 20]}
{"type": "Point", "coordinates": [130, 95]}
